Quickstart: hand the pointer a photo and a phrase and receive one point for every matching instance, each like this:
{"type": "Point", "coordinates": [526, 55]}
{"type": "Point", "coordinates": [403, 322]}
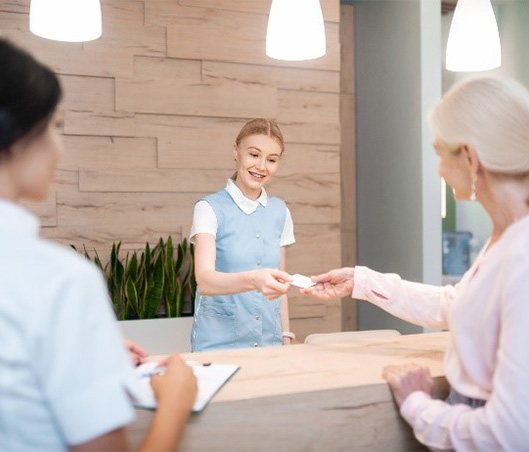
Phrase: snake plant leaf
{"type": "Point", "coordinates": [132, 268]}
{"type": "Point", "coordinates": [98, 262]}
{"type": "Point", "coordinates": [147, 261]}
{"type": "Point", "coordinates": [179, 258]}
{"type": "Point", "coordinates": [154, 293]}
{"type": "Point", "coordinates": [178, 300]}
{"type": "Point", "coordinates": [132, 296]}
{"type": "Point", "coordinates": [142, 281]}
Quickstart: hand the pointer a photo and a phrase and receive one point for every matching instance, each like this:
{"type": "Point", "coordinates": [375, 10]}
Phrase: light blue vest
{"type": "Point", "coordinates": [243, 242]}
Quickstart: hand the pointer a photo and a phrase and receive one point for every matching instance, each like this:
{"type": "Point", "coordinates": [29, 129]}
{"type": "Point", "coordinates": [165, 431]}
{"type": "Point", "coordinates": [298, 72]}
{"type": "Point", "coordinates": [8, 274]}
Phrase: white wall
{"type": "Point", "coordinates": [398, 77]}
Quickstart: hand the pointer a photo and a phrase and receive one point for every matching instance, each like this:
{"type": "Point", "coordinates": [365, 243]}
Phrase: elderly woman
{"type": "Point", "coordinates": [482, 139]}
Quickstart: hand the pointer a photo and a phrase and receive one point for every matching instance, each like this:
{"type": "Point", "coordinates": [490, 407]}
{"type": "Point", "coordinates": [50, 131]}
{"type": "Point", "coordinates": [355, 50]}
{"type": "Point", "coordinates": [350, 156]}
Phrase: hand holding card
{"type": "Point", "coordinates": [301, 281]}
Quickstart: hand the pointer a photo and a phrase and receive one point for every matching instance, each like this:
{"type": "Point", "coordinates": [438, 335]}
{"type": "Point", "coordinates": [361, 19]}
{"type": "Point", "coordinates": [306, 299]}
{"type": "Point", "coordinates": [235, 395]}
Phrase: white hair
{"type": "Point", "coordinates": [490, 113]}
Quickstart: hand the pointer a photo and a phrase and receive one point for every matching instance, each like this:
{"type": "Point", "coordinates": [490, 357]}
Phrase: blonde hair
{"type": "Point", "coordinates": [261, 126]}
{"type": "Point", "coordinates": [490, 113]}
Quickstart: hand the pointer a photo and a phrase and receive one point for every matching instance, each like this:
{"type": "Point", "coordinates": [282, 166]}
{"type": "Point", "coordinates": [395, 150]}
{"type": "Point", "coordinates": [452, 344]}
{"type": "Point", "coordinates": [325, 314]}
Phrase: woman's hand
{"type": "Point", "coordinates": [331, 285]}
{"type": "Point", "coordinates": [136, 353]}
{"type": "Point", "coordinates": [407, 378]}
{"type": "Point", "coordinates": [177, 385]}
{"type": "Point", "coordinates": [271, 283]}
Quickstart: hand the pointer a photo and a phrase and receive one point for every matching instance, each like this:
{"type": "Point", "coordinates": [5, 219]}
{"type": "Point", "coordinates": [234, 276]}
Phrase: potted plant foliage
{"type": "Point", "coordinates": [152, 293]}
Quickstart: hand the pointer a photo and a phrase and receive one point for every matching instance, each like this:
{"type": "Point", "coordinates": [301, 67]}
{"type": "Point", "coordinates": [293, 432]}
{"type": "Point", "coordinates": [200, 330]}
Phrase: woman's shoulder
{"type": "Point", "coordinates": [59, 261]}
{"type": "Point", "coordinates": [277, 201]}
{"type": "Point", "coordinates": [277, 204]}
{"type": "Point", "coordinates": [220, 196]}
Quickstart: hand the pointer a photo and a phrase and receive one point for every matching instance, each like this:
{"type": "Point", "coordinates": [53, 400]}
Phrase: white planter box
{"type": "Point", "coordinates": [160, 336]}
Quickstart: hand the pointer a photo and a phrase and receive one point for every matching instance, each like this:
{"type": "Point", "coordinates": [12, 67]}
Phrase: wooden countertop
{"type": "Point", "coordinates": [312, 397]}
{"type": "Point", "coordinates": [305, 368]}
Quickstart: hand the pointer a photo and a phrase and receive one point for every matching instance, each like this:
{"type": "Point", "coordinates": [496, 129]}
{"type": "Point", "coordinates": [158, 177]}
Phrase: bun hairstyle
{"type": "Point", "coordinates": [261, 126]}
{"type": "Point", "coordinates": [29, 94]}
{"type": "Point", "coordinates": [492, 114]}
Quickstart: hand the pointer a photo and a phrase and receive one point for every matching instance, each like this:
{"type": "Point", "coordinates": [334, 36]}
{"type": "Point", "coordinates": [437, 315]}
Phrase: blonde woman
{"type": "Point", "coordinates": [240, 234]}
{"type": "Point", "coordinates": [482, 139]}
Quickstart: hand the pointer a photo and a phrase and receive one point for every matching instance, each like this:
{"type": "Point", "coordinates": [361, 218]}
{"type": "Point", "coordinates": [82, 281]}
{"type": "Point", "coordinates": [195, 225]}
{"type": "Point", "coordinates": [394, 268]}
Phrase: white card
{"type": "Point", "coordinates": [301, 281]}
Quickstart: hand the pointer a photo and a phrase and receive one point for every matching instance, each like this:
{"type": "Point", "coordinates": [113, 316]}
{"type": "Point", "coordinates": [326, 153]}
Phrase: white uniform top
{"type": "Point", "coordinates": [488, 357]}
{"type": "Point", "coordinates": [63, 366]}
{"type": "Point", "coordinates": [205, 220]}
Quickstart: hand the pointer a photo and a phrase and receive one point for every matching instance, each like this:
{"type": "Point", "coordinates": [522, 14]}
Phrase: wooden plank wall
{"type": "Point", "coordinates": [150, 114]}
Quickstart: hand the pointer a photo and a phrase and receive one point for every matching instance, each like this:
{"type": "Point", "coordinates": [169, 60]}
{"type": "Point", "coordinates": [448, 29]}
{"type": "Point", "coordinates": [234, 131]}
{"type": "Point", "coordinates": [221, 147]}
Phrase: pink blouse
{"type": "Point", "coordinates": [487, 314]}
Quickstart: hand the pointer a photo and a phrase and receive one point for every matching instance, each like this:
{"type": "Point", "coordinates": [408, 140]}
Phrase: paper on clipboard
{"type": "Point", "coordinates": [210, 379]}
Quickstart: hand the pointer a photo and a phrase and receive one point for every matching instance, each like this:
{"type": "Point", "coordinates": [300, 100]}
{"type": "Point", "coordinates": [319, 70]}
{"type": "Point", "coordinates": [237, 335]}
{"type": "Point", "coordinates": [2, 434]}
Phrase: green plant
{"type": "Point", "coordinates": [156, 282]}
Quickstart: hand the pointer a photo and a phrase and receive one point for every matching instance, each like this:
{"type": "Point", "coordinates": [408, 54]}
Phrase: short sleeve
{"type": "Point", "coordinates": [80, 360]}
{"type": "Point", "coordinates": [204, 220]}
{"type": "Point", "coordinates": [287, 236]}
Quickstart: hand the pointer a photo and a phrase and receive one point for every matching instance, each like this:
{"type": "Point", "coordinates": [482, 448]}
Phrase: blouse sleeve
{"type": "Point", "coordinates": [502, 423]}
{"type": "Point", "coordinates": [287, 236]}
{"type": "Point", "coordinates": [421, 304]}
{"type": "Point", "coordinates": [204, 220]}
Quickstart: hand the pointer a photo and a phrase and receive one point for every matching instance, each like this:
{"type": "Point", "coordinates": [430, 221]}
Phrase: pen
{"type": "Point", "coordinates": [155, 371]}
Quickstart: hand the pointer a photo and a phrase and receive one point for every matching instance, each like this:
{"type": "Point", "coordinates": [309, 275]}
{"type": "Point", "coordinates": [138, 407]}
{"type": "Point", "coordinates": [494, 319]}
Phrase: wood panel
{"type": "Point", "coordinates": [109, 123]}
{"type": "Point", "coordinates": [309, 158]}
{"type": "Point", "coordinates": [152, 181]}
{"type": "Point", "coordinates": [302, 327]}
{"type": "Point", "coordinates": [167, 68]}
{"type": "Point", "coordinates": [151, 112]}
{"type": "Point", "coordinates": [330, 8]}
{"type": "Point", "coordinates": [323, 188]}
{"type": "Point", "coordinates": [317, 249]}
{"type": "Point", "coordinates": [306, 308]}
{"type": "Point", "coordinates": [285, 78]}
{"type": "Point", "coordinates": [348, 157]}
{"type": "Point", "coordinates": [100, 93]}
{"type": "Point", "coordinates": [99, 239]}
{"type": "Point", "coordinates": [157, 211]}
{"type": "Point", "coordinates": [64, 58]}
{"type": "Point", "coordinates": [88, 152]}
{"type": "Point", "coordinates": [232, 36]}
{"type": "Point", "coordinates": [193, 133]}
{"type": "Point", "coordinates": [199, 99]}
{"type": "Point", "coordinates": [308, 107]}
{"type": "Point", "coordinates": [311, 132]}
{"type": "Point", "coordinates": [14, 6]}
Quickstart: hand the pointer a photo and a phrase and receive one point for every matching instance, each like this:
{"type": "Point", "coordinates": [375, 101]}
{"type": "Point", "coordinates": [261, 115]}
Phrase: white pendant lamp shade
{"type": "Point", "coordinates": [296, 30]}
{"type": "Point", "coordinates": [474, 41]}
{"type": "Point", "coordinates": [66, 20]}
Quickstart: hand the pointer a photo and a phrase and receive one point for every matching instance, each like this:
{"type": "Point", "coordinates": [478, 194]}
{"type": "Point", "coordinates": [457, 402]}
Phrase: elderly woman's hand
{"type": "Point", "coordinates": [331, 285]}
{"type": "Point", "coordinates": [407, 378]}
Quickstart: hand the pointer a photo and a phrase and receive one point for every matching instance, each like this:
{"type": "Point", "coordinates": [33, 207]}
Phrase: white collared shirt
{"type": "Point", "coordinates": [205, 220]}
{"type": "Point", "coordinates": [63, 366]}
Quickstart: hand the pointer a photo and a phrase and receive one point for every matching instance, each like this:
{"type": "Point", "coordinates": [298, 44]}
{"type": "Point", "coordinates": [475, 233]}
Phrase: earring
{"type": "Point", "coordinates": [473, 187]}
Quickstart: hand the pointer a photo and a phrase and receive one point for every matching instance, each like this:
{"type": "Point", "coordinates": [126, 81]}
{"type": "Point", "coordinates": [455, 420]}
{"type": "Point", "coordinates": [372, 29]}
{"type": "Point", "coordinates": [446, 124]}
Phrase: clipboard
{"type": "Point", "coordinates": [210, 379]}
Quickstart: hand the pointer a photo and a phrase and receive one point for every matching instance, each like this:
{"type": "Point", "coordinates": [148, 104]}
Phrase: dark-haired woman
{"type": "Point", "coordinates": [63, 369]}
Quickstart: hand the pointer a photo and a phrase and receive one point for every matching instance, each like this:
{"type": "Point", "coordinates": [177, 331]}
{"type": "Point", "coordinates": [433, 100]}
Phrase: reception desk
{"type": "Point", "coordinates": [309, 398]}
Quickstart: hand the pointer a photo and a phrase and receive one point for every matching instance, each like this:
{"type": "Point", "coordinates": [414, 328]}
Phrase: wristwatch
{"type": "Point", "coordinates": [289, 334]}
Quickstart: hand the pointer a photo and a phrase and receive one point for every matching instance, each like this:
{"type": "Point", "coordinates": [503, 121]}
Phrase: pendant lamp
{"type": "Point", "coordinates": [296, 30]}
{"type": "Point", "coordinates": [66, 20]}
{"type": "Point", "coordinates": [474, 41]}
